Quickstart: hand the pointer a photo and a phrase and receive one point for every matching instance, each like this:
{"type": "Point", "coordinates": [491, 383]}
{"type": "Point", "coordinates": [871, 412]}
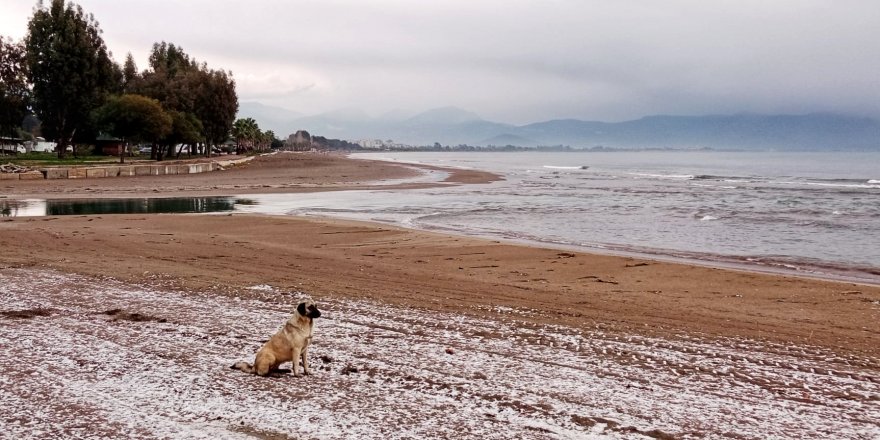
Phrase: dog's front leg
{"type": "Point", "coordinates": [297, 352]}
{"type": "Point", "coordinates": [305, 358]}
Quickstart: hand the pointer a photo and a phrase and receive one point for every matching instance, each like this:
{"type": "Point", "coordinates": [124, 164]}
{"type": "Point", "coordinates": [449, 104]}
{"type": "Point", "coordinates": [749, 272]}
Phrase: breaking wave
{"type": "Point", "coordinates": [555, 167]}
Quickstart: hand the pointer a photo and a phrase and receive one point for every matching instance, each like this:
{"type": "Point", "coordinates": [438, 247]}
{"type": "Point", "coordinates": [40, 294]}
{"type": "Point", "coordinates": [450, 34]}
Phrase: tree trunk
{"type": "Point", "coordinates": [61, 148]}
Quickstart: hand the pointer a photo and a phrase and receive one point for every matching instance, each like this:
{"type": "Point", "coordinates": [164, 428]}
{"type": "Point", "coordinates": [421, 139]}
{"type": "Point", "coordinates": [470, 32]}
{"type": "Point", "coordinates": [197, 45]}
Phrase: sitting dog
{"type": "Point", "coordinates": [290, 343]}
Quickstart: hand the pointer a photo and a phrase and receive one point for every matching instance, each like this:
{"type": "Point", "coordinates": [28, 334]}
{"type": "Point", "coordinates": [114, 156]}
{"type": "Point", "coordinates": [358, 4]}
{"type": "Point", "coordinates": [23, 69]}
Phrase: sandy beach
{"type": "Point", "coordinates": [771, 347]}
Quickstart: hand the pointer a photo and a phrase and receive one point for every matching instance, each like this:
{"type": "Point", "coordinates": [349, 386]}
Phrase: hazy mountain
{"type": "Point", "coordinates": [564, 131]}
{"type": "Point", "coordinates": [268, 117]}
{"type": "Point", "coordinates": [508, 139]}
{"type": "Point", "coordinates": [746, 132]}
{"type": "Point", "coordinates": [447, 125]}
{"type": "Point", "coordinates": [396, 115]}
{"type": "Point", "coordinates": [340, 124]}
{"type": "Point", "coordinates": [453, 126]}
{"type": "Point", "coordinates": [443, 116]}
{"type": "Point", "coordinates": [351, 114]}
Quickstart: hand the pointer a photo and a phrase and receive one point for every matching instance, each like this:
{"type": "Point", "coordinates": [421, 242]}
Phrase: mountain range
{"type": "Point", "coordinates": [454, 126]}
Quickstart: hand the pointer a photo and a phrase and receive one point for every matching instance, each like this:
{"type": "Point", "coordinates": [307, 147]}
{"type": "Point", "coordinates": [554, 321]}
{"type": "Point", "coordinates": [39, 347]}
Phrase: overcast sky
{"type": "Point", "coordinates": [517, 61]}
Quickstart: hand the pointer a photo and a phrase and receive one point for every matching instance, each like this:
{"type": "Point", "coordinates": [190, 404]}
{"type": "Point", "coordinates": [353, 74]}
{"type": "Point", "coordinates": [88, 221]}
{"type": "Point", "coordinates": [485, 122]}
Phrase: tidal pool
{"type": "Point", "coordinates": [44, 207]}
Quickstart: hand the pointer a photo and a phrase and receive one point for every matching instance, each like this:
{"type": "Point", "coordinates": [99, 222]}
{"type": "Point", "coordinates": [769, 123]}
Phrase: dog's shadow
{"type": "Point", "coordinates": [277, 373]}
{"type": "Point", "coordinates": [280, 372]}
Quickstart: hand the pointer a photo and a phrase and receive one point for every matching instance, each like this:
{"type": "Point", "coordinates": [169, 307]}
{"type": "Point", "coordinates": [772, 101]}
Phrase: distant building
{"type": "Point", "coordinates": [16, 145]}
{"type": "Point", "coordinates": [9, 145]}
{"type": "Point", "coordinates": [43, 145]}
{"type": "Point", "coordinates": [109, 145]}
{"type": "Point", "coordinates": [371, 144]}
{"type": "Point", "coordinates": [379, 144]}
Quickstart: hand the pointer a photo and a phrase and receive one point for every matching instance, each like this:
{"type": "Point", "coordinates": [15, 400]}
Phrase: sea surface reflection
{"type": "Point", "coordinates": [42, 207]}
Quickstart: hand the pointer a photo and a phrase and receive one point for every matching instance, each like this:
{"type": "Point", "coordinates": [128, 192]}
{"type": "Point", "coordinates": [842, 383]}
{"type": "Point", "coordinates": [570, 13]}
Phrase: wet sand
{"type": "Point", "coordinates": [754, 315]}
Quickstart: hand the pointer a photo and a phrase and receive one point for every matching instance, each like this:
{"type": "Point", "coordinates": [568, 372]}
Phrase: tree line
{"type": "Point", "coordinates": [64, 74]}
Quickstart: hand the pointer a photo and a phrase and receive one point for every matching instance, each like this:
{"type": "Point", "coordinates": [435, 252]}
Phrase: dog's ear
{"type": "Point", "coordinates": [301, 308]}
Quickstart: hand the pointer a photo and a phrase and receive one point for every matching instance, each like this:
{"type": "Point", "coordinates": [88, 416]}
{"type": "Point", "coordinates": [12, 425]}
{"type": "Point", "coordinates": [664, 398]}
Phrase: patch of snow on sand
{"type": "Point", "coordinates": [82, 367]}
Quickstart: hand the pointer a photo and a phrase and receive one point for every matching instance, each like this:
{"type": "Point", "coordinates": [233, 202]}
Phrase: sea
{"type": "Point", "coordinates": [814, 214]}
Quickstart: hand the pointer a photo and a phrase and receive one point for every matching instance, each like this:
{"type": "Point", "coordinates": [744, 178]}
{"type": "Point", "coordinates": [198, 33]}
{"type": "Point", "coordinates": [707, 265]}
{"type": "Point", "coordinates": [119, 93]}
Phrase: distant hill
{"type": "Point", "coordinates": [268, 117]}
{"type": "Point", "coordinates": [742, 132]}
{"type": "Point", "coordinates": [454, 126]}
{"type": "Point", "coordinates": [508, 139]}
{"type": "Point", "coordinates": [448, 125]}
{"type": "Point", "coordinates": [443, 116]}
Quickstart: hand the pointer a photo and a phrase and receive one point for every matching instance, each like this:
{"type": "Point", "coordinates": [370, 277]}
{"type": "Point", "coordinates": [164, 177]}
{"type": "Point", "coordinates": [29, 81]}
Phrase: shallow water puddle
{"type": "Point", "coordinates": [90, 357]}
{"type": "Point", "coordinates": [137, 205]}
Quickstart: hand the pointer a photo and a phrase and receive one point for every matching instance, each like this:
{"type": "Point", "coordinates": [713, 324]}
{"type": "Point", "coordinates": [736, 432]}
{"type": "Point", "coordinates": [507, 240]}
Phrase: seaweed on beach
{"type": "Point", "coordinates": [122, 315]}
{"type": "Point", "coordinates": [25, 314]}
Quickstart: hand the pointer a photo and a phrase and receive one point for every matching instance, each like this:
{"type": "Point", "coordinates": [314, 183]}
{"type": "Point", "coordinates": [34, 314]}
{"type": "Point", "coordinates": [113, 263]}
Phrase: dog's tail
{"type": "Point", "coordinates": [243, 366]}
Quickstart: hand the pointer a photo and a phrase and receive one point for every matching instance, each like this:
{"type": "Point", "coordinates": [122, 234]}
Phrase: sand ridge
{"type": "Point", "coordinates": [282, 172]}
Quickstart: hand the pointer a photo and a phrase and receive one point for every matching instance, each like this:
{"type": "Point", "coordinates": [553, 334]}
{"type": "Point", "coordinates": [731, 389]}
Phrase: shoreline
{"type": "Point", "coordinates": [740, 264]}
{"type": "Point", "coordinates": [793, 268]}
{"type": "Point", "coordinates": [712, 225]}
{"type": "Point", "coordinates": [640, 293]}
{"type": "Point", "coordinates": [407, 175]}
{"type": "Point", "coordinates": [821, 272]}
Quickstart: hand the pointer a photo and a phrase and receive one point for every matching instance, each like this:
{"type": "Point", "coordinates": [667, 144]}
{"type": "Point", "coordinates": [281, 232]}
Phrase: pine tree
{"type": "Point", "coordinates": [14, 91]}
{"type": "Point", "coordinates": [70, 69]}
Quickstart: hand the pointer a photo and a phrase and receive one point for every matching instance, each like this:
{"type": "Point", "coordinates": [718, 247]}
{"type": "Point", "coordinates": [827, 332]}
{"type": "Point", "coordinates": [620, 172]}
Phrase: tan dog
{"type": "Point", "coordinates": [290, 344]}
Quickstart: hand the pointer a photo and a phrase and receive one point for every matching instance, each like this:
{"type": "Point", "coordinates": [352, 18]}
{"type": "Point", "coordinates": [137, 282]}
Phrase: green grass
{"type": "Point", "coordinates": [37, 159]}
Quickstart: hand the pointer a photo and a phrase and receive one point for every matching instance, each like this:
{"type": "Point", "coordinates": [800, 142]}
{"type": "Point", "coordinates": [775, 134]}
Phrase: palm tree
{"type": "Point", "coordinates": [270, 139]}
{"type": "Point", "coordinates": [246, 132]}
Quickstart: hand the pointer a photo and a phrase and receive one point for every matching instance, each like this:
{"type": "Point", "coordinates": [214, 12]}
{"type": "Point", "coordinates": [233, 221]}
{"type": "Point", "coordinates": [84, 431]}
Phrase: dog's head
{"type": "Point", "coordinates": [309, 309]}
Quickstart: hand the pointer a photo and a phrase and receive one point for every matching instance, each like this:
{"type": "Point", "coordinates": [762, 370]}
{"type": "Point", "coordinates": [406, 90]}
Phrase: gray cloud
{"type": "Point", "coordinates": [518, 61]}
